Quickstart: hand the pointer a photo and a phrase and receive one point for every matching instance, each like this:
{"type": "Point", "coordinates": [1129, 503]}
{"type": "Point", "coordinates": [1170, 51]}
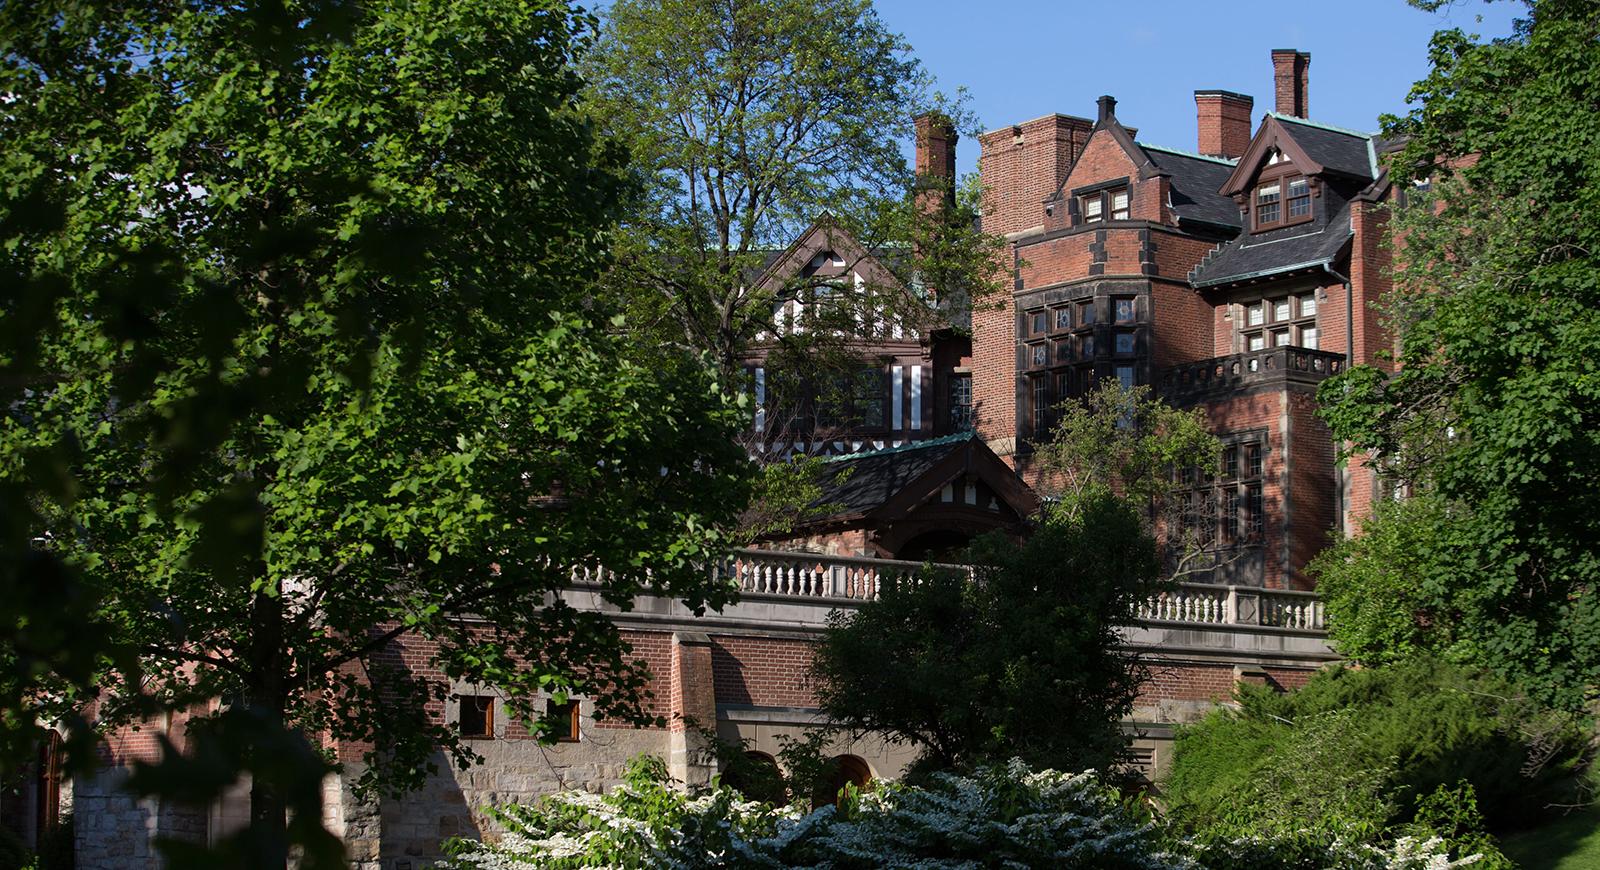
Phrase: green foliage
{"type": "Point", "coordinates": [1018, 660]}
{"type": "Point", "coordinates": [786, 495]}
{"type": "Point", "coordinates": [1129, 442]}
{"type": "Point", "coordinates": [1390, 589]}
{"type": "Point", "coordinates": [749, 121]}
{"type": "Point", "coordinates": [301, 357]}
{"type": "Point", "coordinates": [1493, 408]}
{"type": "Point", "coordinates": [999, 816]}
{"type": "Point", "coordinates": [1357, 752]}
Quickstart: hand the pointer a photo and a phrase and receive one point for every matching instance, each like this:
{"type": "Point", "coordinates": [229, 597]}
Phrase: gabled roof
{"type": "Point", "coordinates": [824, 234]}
{"type": "Point", "coordinates": [1196, 181]}
{"type": "Point", "coordinates": [1316, 149]}
{"type": "Point", "coordinates": [885, 485]}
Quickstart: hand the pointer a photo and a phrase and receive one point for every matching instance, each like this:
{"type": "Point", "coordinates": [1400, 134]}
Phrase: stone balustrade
{"type": "Point", "coordinates": [809, 575]}
{"type": "Point", "coordinates": [779, 572]}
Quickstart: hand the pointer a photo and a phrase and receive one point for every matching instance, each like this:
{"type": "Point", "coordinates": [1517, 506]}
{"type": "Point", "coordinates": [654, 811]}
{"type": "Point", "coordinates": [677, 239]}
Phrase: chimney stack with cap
{"type": "Point", "coordinates": [1290, 77]}
{"type": "Point", "coordinates": [1224, 122]}
{"type": "Point", "coordinates": [1108, 109]}
{"type": "Point", "coordinates": [936, 161]}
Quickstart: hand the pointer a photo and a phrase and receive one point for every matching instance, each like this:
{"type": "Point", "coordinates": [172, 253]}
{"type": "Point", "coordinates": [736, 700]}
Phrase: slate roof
{"type": "Point", "coordinates": [1195, 182]}
{"type": "Point", "coordinates": [1344, 151]}
{"type": "Point", "coordinates": [1283, 250]}
{"type": "Point", "coordinates": [873, 478]}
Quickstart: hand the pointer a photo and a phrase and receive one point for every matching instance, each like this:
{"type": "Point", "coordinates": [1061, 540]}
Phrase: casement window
{"type": "Point", "coordinates": [1123, 311]}
{"type": "Point", "coordinates": [846, 401]}
{"type": "Point", "coordinates": [563, 720]}
{"type": "Point", "coordinates": [960, 403]}
{"type": "Point", "coordinates": [476, 716]}
{"type": "Point", "coordinates": [1268, 204]}
{"type": "Point", "coordinates": [1085, 314]}
{"type": "Point", "coordinates": [1125, 377]}
{"type": "Point", "coordinates": [1119, 204]}
{"type": "Point", "coordinates": [1126, 343]}
{"type": "Point", "coordinates": [1280, 321]}
{"type": "Point", "coordinates": [1041, 406]}
{"type": "Point", "coordinates": [1064, 350]}
{"type": "Point", "coordinates": [1038, 322]}
{"type": "Point", "coordinates": [1038, 355]}
{"type": "Point", "coordinates": [1281, 201]}
{"type": "Point", "coordinates": [1063, 318]}
{"type": "Point", "coordinates": [1228, 510]}
{"type": "Point", "coordinates": [1101, 204]}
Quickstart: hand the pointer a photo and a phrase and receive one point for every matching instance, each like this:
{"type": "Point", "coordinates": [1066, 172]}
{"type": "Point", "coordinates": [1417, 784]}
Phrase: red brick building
{"type": "Point", "coordinates": [1233, 278]}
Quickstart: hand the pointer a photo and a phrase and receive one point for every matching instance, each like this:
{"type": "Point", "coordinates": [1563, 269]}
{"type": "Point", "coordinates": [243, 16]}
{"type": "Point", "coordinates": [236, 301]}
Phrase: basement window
{"type": "Point", "coordinates": [563, 719]}
{"type": "Point", "coordinates": [476, 717]}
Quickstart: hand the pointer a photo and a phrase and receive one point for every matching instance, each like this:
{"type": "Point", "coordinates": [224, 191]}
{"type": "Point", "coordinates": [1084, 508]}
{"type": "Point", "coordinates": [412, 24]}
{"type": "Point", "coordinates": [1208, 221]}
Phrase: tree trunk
{"type": "Point", "coordinates": [269, 819]}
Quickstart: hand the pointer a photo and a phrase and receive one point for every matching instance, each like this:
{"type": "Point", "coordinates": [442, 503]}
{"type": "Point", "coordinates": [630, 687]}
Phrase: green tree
{"type": "Point", "coordinates": [1018, 659]}
{"type": "Point", "coordinates": [1128, 442]}
{"type": "Point", "coordinates": [750, 120]}
{"type": "Point", "coordinates": [1492, 414]}
{"type": "Point", "coordinates": [299, 330]}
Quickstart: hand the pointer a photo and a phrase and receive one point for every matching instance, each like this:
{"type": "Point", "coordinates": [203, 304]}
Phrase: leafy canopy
{"type": "Point", "coordinates": [750, 120]}
{"type": "Point", "coordinates": [302, 366]}
{"type": "Point", "coordinates": [1018, 659]}
{"type": "Point", "coordinates": [1491, 416]}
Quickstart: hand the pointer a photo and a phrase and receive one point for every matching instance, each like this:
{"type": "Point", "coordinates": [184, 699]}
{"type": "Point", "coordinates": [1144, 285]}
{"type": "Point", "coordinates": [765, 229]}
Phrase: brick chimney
{"type": "Point", "coordinates": [1290, 78]}
{"type": "Point", "coordinates": [936, 161]}
{"type": "Point", "coordinates": [1224, 122]}
{"type": "Point", "coordinates": [1024, 164]}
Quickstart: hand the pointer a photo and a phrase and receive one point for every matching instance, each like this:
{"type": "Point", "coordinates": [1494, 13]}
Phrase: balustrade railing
{"type": "Point", "coordinates": [810, 575]}
{"type": "Point", "coordinates": [1240, 369]}
{"type": "Point", "coordinates": [807, 575]}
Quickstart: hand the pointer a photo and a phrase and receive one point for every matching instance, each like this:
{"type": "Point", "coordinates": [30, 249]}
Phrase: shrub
{"type": "Point", "coordinates": [1356, 751]}
{"type": "Point", "coordinates": [1000, 816]}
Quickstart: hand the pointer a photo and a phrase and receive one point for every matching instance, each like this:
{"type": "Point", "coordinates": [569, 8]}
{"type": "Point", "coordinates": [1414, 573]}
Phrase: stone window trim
{"type": "Point", "coordinates": [1106, 201]}
{"type": "Point", "coordinates": [486, 719]}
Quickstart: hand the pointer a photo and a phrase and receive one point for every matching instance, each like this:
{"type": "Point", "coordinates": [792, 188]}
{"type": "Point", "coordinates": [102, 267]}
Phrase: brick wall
{"type": "Point", "coordinates": [1024, 164]}
{"type": "Point", "coordinates": [767, 672]}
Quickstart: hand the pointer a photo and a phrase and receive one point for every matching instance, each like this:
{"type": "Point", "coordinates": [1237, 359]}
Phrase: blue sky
{"type": "Point", "coordinates": [1020, 59]}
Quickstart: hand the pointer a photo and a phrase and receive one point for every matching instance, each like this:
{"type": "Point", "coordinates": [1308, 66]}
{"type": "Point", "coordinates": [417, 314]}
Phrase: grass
{"type": "Point", "coordinates": [1569, 843]}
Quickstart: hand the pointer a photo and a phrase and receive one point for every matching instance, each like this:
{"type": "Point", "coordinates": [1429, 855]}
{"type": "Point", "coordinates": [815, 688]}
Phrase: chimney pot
{"type": "Point", "coordinates": [1290, 79]}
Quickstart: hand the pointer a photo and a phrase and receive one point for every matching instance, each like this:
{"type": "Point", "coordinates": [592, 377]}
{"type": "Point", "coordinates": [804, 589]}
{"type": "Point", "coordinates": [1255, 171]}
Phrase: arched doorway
{"type": "Point", "coordinates": [842, 770]}
{"type": "Point", "coordinates": [757, 776]}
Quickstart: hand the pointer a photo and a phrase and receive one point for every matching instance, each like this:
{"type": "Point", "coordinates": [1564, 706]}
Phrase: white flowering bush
{"type": "Point", "coordinates": [1004, 816]}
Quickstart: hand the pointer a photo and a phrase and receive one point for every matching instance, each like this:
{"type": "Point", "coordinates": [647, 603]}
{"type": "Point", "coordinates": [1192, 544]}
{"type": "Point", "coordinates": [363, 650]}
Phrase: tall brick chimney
{"type": "Point", "coordinates": [1290, 77]}
{"type": "Point", "coordinates": [1224, 122]}
{"type": "Point", "coordinates": [936, 161]}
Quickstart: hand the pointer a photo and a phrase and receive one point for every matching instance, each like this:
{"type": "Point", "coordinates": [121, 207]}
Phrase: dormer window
{"type": "Point", "coordinates": [1281, 201]}
{"type": "Point", "coordinates": [1092, 209]}
{"type": "Point", "coordinates": [1096, 206]}
{"type": "Point", "coordinates": [1119, 204]}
